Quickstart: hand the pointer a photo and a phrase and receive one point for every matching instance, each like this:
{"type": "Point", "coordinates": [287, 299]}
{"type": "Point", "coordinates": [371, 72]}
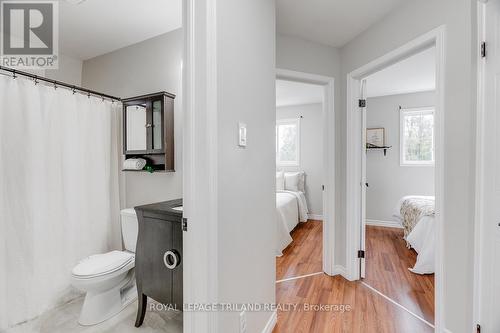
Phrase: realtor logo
{"type": "Point", "coordinates": [29, 34]}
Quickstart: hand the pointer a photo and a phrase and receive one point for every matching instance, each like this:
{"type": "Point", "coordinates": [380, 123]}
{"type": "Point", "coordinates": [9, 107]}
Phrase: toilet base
{"type": "Point", "coordinates": [101, 306]}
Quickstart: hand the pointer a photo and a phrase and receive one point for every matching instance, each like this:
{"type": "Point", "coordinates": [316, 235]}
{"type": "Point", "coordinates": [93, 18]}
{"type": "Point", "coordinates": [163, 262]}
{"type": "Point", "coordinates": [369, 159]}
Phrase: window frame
{"type": "Point", "coordinates": [408, 112]}
{"type": "Point", "coordinates": [289, 121]}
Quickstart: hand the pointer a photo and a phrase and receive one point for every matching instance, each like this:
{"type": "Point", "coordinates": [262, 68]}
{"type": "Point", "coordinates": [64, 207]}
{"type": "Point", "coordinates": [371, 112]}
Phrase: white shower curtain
{"type": "Point", "coordinates": [59, 192]}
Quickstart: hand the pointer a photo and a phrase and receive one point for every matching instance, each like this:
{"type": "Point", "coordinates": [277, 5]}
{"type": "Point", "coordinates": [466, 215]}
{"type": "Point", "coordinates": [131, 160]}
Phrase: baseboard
{"type": "Point", "coordinates": [340, 270]}
{"type": "Point", "coordinates": [315, 217]}
{"type": "Point", "coordinates": [388, 224]}
{"type": "Point", "coordinates": [271, 323]}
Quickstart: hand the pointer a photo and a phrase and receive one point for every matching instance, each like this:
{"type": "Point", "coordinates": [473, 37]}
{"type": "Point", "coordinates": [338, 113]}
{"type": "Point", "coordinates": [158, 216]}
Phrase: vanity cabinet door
{"type": "Point", "coordinates": [154, 278]}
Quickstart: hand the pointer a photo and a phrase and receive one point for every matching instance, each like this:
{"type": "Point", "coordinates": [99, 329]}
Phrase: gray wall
{"type": "Point", "coordinates": [410, 20]}
{"type": "Point", "coordinates": [311, 150]}
{"type": "Point", "coordinates": [389, 181]}
{"type": "Point", "coordinates": [147, 67]}
{"type": "Point", "coordinates": [246, 181]}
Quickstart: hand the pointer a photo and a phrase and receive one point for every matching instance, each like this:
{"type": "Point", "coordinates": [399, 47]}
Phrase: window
{"type": "Point", "coordinates": [417, 136]}
{"type": "Point", "coordinates": [287, 142]}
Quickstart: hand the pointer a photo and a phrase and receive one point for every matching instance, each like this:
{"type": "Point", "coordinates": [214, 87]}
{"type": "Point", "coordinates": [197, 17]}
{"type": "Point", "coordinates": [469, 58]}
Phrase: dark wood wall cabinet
{"type": "Point", "coordinates": [158, 257]}
{"type": "Point", "coordinates": [148, 130]}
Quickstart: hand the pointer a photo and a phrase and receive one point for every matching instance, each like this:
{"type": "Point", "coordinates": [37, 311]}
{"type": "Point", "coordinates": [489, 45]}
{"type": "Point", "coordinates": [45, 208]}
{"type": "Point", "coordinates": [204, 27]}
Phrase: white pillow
{"type": "Point", "coordinates": [294, 181]}
{"type": "Point", "coordinates": [280, 181]}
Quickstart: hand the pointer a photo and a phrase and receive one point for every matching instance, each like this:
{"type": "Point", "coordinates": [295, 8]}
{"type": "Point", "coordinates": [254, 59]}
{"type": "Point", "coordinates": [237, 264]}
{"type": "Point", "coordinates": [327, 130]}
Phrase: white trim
{"type": "Point", "coordinates": [340, 270]}
{"type": "Point", "coordinates": [353, 159]}
{"type": "Point", "coordinates": [289, 121]}
{"type": "Point", "coordinates": [299, 277]}
{"type": "Point", "coordinates": [271, 323]}
{"type": "Point", "coordinates": [315, 217]}
{"type": "Point", "coordinates": [328, 158]}
{"type": "Point", "coordinates": [386, 224]}
{"type": "Point", "coordinates": [200, 163]}
{"type": "Point", "coordinates": [479, 179]}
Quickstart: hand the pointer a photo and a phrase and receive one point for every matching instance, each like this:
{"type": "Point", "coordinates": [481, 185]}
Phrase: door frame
{"type": "Point", "coordinates": [479, 222]}
{"type": "Point", "coordinates": [200, 192]}
{"type": "Point", "coordinates": [328, 84]}
{"type": "Point", "coordinates": [354, 177]}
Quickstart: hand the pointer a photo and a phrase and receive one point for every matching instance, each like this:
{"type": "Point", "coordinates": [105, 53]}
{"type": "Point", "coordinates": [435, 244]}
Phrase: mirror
{"type": "Point", "coordinates": [157, 125]}
{"type": "Point", "coordinates": [136, 127]}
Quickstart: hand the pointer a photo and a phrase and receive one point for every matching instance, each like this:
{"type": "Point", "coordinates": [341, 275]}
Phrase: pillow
{"type": "Point", "coordinates": [280, 181]}
{"type": "Point", "coordinates": [295, 181]}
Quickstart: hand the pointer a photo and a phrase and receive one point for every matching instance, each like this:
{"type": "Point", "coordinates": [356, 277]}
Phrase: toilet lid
{"type": "Point", "coordinates": [100, 264]}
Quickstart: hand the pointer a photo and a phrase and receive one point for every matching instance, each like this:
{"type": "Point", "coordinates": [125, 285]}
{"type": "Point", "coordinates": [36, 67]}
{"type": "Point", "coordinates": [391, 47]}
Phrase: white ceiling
{"type": "Point", "coordinates": [416, 73]}
{"type": "Point", "coordinates": [296, 93]}
{"type": "Point", "coordinates": [330, 22]}
{"type": "Point", "coordinates": [96, 27]}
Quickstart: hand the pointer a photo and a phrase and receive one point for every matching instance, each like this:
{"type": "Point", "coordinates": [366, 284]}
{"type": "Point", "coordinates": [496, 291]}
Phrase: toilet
{"type": "Point", "coordinates": [108, 279]}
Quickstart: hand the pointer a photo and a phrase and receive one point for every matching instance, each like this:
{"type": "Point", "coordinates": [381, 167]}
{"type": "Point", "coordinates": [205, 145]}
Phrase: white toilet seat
{"type": "Point", "coordinates": [102, 264]}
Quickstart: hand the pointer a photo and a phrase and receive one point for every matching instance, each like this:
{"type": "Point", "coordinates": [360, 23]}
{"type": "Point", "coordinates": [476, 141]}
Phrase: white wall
{"type": "Point", "coordinates": [311, 150]}
{"type": "Point", "coordinates": [246, 177]}
{"type": "Point", "coordinates": [69, 71]}
{"type": "Point", "coordinates": [389, 181]}
{"type": "Point", "coordinates": [410, 20]}
{"type": "Point", "coordinates": [147, 67]}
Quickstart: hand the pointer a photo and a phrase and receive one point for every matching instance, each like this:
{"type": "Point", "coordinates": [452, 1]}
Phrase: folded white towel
{"type": "Point", "coordinates": [134, 164]}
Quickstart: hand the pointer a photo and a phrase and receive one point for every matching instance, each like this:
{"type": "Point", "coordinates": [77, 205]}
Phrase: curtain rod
{"type": "Point", "coordinates": [56, 83]}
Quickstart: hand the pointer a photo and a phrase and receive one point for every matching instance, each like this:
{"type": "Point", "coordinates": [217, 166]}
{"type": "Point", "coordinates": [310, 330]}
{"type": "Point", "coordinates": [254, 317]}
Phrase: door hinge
{"type": "Point", "coordinates": [478, 328]}
{"type": "Point", "coordinates": [361, 254]}
{"type": "Point", "coordinates": [362, 103]}
{"type": "Point", "coordinates": [184, 224]}
{"type": "Point", "coordinates": [483, 49]}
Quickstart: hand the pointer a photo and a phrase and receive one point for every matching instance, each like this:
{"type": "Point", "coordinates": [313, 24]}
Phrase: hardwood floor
{"type": "Point", "coordinates": [365, 310]}
{"type": "Point", "coordinates": [387, 263]}
{"type": "Point", "coordinates": [369, 312]}
{"type": "Point", "coordinates": [304, 255]}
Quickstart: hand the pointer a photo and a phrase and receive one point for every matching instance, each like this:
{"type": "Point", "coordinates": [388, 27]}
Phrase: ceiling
{"type": "Point", "coordinates": [96, 27]}
{"type": "Point", "coordinates": [416, 73]}
{"type": "Point", "coordinates": [297, 93]}
{"type": "Point", "coordinates": [330, 22]}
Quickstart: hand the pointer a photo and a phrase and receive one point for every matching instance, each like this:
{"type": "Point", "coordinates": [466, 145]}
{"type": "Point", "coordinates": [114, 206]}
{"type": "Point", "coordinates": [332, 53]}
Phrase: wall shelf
{"type": "Point", "coordinates": [384, 148]}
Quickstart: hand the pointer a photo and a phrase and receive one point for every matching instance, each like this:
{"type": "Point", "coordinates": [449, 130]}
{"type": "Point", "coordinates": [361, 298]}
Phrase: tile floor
{"type": "Point", "coordinates": [64, 320]}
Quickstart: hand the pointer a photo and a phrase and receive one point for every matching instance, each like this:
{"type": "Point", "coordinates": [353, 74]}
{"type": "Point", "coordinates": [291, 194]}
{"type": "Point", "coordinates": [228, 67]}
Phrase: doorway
{"type": "Point", "coordinates": [399, 201]}
{"type": "Point", "coordinates": [328, 152]}
{"type": "Point", "coordinates": [356, 158]}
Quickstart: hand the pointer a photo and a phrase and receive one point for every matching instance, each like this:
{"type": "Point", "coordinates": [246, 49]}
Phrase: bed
{"type": "Point", "coordinates": [416, 216]}
{"type": "Point", "coordinates": [291, 208]}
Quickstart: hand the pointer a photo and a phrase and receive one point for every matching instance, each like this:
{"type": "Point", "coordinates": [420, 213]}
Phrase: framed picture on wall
{"type": "Point", "coordinates": [375, 137]}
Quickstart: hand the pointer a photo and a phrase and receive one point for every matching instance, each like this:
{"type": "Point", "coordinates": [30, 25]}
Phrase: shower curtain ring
{"type": "Point", "coordinates": [14, 76]}
{"type": "Point", "coordinates": [55, 85]}
{"type": "Point", "coordinates": [36, 80]}
{"type": "Point", "coordinates": [74, 90]}
{"type": "Point", "coordinates": [88, 95]}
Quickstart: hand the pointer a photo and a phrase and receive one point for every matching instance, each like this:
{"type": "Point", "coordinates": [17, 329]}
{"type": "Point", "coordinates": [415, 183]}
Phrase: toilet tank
{"type": "Point", "coordinates": [130, 228]}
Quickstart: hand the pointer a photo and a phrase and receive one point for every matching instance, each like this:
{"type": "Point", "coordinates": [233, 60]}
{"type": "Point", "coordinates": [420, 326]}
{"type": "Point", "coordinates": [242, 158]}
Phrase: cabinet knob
{"type": "Point", "coordinates": [171, 259]}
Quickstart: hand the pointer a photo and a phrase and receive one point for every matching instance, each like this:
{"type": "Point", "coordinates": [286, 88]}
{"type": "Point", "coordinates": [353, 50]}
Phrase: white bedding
{"type": "Point", "coordinates": [291, 207]}
{"type": "Point", "coordinates": [422, 239]}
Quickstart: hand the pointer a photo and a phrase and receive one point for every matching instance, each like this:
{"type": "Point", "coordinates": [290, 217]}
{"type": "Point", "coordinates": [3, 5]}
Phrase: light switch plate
{"type": "Point", "coordinates": [242, 134]}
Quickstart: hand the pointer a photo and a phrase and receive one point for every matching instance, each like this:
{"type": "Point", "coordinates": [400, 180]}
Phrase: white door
{"type": "Point", "coordinates": [490, 194]}
{"type": "Point", "coordinates": [364, 183]}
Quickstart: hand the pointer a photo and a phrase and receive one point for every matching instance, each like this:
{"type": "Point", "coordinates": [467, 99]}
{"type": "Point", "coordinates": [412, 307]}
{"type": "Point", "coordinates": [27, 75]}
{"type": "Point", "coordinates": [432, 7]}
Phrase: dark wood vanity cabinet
{"type": "Point", "coordinates": [148, 129]}
{"type": "Point", "coordinates": [158, 258]}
